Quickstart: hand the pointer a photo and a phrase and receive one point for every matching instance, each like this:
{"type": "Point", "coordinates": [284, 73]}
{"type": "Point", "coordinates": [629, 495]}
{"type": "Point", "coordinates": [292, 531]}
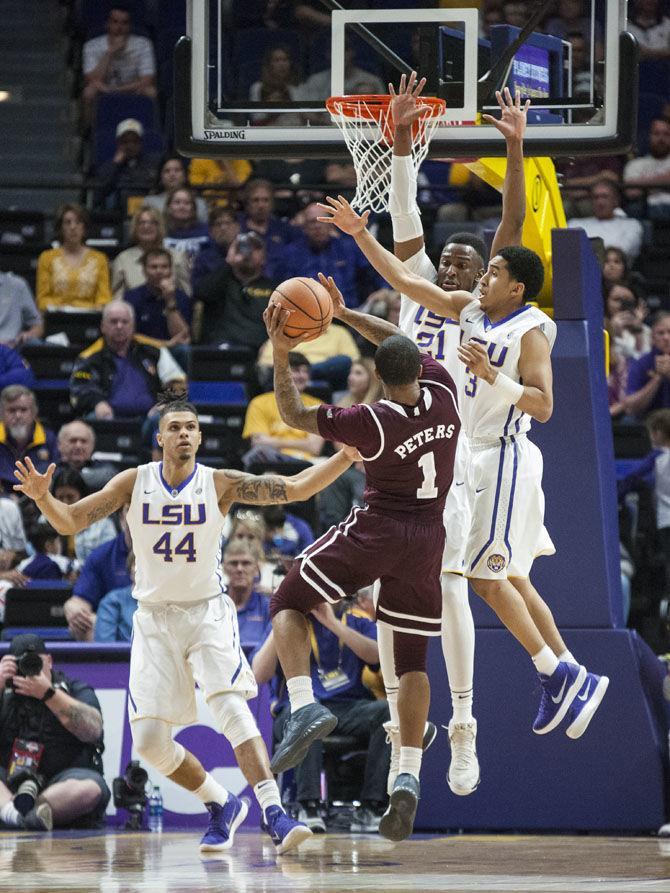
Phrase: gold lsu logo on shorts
{"type": "Point", "coordinates": [495, 563]}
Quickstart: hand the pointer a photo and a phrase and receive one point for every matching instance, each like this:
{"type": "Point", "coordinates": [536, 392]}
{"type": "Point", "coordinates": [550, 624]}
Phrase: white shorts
{"type": "Point", "coordinates": [178, 645]}
{"type": "Point", "coordinates": [507, 533]}
{"type": "Point", "coordinates": [457, 513]}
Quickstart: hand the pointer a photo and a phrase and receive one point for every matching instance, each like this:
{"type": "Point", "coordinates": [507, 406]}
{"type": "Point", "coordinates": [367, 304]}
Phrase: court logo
{"type": "Point", "coordinates": [495, 563]}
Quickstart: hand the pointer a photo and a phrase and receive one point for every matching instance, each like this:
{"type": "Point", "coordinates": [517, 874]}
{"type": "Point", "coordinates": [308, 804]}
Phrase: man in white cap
{"type": "Point", "coordinates": [130, 171]}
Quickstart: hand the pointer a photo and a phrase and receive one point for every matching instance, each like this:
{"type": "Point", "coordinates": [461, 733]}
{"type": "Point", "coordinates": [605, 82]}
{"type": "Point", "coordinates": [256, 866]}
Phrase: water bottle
{"type": "Point", "coordinates": [155, 809]}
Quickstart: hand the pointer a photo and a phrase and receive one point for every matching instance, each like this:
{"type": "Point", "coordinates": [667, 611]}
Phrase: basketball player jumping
{"type": "Point", "coordinates": [185, 627]}
{"type": "Point", "coordinates": [408, 444]}
{"type": "Point", "coordinates": [505, 341]}
{"type": "Point", "coordinates": [461, 265]}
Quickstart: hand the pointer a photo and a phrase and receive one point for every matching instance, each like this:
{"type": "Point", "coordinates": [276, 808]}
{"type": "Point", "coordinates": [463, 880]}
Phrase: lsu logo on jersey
{"type": "Point", "coordinates": [495, 563]}
{"type": "Point", "coordinates": [175, 513]}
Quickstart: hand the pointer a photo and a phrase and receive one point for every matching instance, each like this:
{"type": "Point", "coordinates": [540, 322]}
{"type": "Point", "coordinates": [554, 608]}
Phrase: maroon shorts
{"type": "Point", "coordinates": [404, 556]}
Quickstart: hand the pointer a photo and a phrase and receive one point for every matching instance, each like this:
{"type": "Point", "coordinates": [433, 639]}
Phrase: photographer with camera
{"type": "Point", "coordinates": [50, 743]}
{"type": "Point", "coordinates": [235, 295]}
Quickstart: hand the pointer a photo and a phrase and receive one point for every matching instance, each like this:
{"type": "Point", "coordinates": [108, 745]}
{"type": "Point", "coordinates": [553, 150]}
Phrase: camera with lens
{"type": "Point", "coordinates": [26, 785]}
{"type": "Point", "coordinates": [245, 243]}
{"type": "Point", "coordinates": [129, 792]}
{"type": "Point", "coordinates": [29, 663]}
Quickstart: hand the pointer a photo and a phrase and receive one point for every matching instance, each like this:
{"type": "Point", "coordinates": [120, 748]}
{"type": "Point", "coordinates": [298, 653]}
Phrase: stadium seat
{"type": "Point", "coordinates": [81, 327]}
{"type": "Point", "coordinates": [36, 609]}
{"type": "Point", "coordinates": [51, 361]}
{"type": "Point", "coordinates": [22, 228]}
{"type": "Point", "coordinates": [122, 436]}
{"type": "Point", "coordinates": [115, 107]}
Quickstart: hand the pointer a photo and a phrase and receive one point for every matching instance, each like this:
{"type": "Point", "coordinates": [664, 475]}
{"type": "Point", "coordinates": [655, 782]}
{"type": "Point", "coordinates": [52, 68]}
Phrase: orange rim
{"type": "Point", "coordinates": [350, 106]}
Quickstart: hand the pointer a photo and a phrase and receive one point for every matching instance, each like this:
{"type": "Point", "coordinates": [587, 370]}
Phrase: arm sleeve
{"type": "Point", "coordinates": [168, 368]}
{"type": "Point", "coordinates": [14, 370]}
{"type": "Point", "coordinates": [353, 425]}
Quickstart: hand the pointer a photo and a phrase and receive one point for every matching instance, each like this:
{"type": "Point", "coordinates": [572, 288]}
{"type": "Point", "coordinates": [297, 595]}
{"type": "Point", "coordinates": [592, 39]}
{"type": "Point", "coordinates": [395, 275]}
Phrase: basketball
{"type": "Point", "coordinates": [310, 305]}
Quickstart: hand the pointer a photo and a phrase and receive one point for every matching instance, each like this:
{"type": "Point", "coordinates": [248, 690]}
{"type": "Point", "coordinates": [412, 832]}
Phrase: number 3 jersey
{"type": "Point", "coordinates": [408, 451]}
{"type": "Point", "coordinates": [484, 414]}
{"type": "Point", "coordinates": [176, 534]}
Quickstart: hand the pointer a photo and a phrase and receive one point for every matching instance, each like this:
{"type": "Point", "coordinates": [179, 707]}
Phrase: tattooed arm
{"type": "Point", "coordinates": [271, 489]}
{"type": "Point", "coordinates": [80, 719]}
{"type": "Point", "coordinates": [290, 406]}
{"type": "Point", "coordinates": [69, 519]}
{"type": "Point", "coordinates": [371, 327]}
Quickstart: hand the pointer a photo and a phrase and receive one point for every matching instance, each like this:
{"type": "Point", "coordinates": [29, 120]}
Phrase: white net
{"type": "Point", "coordinates": [368, 132]}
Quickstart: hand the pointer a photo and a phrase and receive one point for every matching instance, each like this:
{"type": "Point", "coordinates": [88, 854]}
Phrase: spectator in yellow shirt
{"type": "Point", "coordinates": [72, 275]}
{"type": "Point", "coordinates": [223, 174]}
{"type": "Point", "coordinates": [330, 357]}
{"type": "Point", "coordinates": [271, 439]}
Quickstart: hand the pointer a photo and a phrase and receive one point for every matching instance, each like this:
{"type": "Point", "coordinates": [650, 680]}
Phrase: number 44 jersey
{"type": "Point", "coordinates": [408, 451]}
{"type": "Point", "coordinates": [176, 534]}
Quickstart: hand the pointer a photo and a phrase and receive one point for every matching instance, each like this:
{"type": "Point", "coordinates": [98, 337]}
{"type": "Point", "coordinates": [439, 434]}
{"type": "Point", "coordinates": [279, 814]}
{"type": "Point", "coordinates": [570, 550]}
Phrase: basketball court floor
{"type": "Point", "coordinates": [125, 862]}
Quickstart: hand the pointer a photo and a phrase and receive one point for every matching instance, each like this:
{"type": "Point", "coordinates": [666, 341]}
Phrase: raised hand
{"type": "Point", "coordinates": [31, 482]}
{"type": "Point", "coordinates": [339, 307]}
{"type": "Point", "coordinates": [404, 108]}
{"type": "Point", "coordinates": [343, 215]}
{"type": "Point", "coordinates": [512, 123]}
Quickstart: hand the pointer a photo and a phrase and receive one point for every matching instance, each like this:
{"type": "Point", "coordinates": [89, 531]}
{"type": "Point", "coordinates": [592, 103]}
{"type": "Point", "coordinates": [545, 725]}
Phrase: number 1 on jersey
{"type": "Point", "coordinates": [427, 490]}
{"type": "Point", "coordinates": [185, 547]}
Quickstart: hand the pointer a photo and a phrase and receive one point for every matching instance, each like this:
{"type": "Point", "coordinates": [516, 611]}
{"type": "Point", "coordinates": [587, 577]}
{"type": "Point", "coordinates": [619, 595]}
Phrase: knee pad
{"type": "Point", "coordinates": [233, 717]}
{"type": "Point", "coordinates": [409, 653]}
{"type": "Point", "coordinates": [154, 743]}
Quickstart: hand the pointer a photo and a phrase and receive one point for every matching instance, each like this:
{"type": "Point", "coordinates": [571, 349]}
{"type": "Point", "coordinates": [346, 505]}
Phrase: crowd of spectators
{"type": "Point", "coordinates": [206, 243]}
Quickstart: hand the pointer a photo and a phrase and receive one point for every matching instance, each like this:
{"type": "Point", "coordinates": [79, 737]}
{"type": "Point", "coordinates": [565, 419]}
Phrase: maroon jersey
{"type": "Point", "coordinates": [408, 451]}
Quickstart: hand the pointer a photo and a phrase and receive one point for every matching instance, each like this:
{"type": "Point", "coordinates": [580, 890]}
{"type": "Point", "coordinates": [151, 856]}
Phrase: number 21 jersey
{"type": "Point", "coordinates": [176, 534]}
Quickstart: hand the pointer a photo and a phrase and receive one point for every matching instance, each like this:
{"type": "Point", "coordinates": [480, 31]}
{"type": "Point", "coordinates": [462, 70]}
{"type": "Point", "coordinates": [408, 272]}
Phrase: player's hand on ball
{"type": "Point", "coordinates": [404, 109]}
{"type": "Point", "coordinates": [31, 482]}
{"type": "Point", "coordinates": [339, 307]}
{"type": "Point", "coordinates": [476, 358]}
{"type": "Point", "coordinates": [275, 318]}
{"type": "Point", "coordinates": [512, 122]}
{"type": "Point", "coordinates": [343, 215]}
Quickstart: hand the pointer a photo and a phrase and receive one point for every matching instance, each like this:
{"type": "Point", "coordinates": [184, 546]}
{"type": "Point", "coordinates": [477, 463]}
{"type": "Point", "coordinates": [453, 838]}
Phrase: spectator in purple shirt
{"type": "Point", "coordinates": [162, 310]}
{"type": "Point", "coordinates": [22, 434]}
{"type": "Point", "coordinates": [649, 377]}
{"type": "Point", "coordinates": [223, 227]}
{"type": "Point", "coordinates": [241, 565]}
{"type": "Point", "coordinates": [258, 217]}
{"type": "Point", "coordinates": [14, 369]}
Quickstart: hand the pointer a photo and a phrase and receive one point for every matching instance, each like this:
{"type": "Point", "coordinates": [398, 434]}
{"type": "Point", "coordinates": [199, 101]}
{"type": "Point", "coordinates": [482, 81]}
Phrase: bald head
{"type": "Point", "coordinates": [76, 442]}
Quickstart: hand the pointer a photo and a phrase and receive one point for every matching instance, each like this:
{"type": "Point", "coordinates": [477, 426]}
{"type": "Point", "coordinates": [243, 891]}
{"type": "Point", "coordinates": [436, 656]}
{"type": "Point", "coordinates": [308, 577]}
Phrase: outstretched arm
{"type": "Point", "coordinates": [391, 268]}
{"type": "Point", "coordinates": [70, 519]}
{"type": "Point", "coordinates": [274, 489]}
{"type": "Point", "coordinates": [512, 125]}
{"type": "Point", "coordinates": [371, 327]}
{"type": "Point", "coordinates": [408, 236]}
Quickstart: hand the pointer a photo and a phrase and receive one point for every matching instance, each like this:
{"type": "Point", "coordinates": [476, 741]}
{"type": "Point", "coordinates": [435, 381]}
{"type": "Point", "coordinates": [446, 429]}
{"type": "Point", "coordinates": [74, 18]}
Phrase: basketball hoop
{"type": "Point", "coordinates": [367, 126]}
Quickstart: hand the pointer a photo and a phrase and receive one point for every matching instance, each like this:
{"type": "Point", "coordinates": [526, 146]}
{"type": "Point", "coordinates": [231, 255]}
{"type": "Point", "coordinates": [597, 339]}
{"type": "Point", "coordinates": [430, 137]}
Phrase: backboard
{"type": "Point", "coordinates": [234, 98]}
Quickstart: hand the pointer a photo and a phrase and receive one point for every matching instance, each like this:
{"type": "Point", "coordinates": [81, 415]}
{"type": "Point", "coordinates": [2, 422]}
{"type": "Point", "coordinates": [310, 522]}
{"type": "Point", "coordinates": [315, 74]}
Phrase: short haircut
{"type": "Point", "coordinates": [114, 305]}
{"type": "Point", "coordinates": [241, 547]}
{"type": "Point", "coordinates": [297, 359]}
{"type": "Point", "coordinates": [13, 391]}
{"type": "Point", "coordinates": [216, 213]}
{"type": "Point", "coordinates": [64, 430]}
{"type": "Point", "coordinates": [398, 361]}
{"type": "Point", "coordinates": [175, 404]}
{"type": "Point", "coordinates": [80, 212]}
{"type": "Point", "coordinates": [659, 420]}
{"type": "Point", "coordinates": [156, 252]}
{"type": "Point", "coordinates": [526, 267]}
{"type": "Point", "coordinates": [472, 241]}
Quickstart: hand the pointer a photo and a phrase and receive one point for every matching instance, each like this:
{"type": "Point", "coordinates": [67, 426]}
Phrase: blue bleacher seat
{"type": "Point", "coordinates": [217, 391]}
{"type": "Point", "coordinates": [112, 108]}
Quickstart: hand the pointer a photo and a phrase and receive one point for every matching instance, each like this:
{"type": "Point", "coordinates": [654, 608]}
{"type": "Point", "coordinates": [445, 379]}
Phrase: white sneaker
{"type": "Point", "coordinates": [463, 774]}
{"type": "Point", "coordinates": [393, 738]}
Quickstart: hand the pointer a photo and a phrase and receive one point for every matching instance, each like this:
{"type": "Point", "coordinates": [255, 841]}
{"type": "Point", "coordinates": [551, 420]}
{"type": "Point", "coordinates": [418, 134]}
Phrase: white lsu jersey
{"type": "Point", "coordinates": [177, 535]}
{"type": "Point", "coordinates": [482, 412]}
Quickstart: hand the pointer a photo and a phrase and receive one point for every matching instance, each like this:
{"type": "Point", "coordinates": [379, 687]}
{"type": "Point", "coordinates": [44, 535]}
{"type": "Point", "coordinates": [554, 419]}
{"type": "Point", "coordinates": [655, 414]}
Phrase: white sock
{"type": "Point", "coordinates": [300, 692]}
{"type": "Point", "coordinates": [410, 761]}
{"type": "Point", "coordinates": [545, 661]}
{"type": "Point", "coordinates": [568, 657]}
{"type": "Point", "coordinates": [10, 815]}
{"type": "Point", "coordinates": [210, 791]}
{"type": "Point", "coordinates": [461, 701]}
{"type": "Point", "coordinates": [267, 794]}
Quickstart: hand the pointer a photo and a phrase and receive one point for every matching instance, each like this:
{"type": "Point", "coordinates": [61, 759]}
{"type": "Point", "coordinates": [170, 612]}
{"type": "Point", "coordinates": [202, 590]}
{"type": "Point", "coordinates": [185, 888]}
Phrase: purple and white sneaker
{"type": "Point", "coordinates": [586, 703]}
{"type": "Point", "coordinates": [285, 832]}
{"type": "Point", "coordinates": [223, 823]}
{"type": "Point", "coordinates": [559, 691]}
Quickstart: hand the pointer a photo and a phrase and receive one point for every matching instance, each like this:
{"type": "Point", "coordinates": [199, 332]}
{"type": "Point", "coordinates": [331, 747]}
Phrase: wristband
{"type": "Point", "coordinates": [511, 390]}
